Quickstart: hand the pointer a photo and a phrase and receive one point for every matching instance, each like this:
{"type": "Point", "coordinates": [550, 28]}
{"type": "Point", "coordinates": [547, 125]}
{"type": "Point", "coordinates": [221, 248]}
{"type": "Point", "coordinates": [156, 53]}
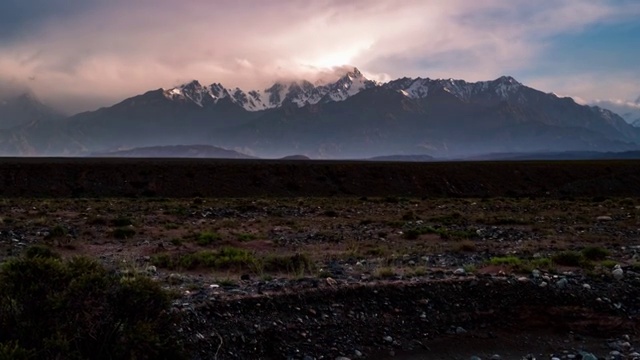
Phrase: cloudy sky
{"type": "Point", "coordinates": [81, 54]}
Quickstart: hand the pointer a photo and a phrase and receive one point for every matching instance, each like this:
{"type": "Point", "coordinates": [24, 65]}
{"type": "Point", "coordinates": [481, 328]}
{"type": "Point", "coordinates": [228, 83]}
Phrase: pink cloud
{"type": "Point", "coordinates": [121, 48]}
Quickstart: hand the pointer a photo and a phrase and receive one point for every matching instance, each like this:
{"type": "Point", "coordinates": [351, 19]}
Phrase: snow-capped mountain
{"type": "Point", "coordinates": [503, 88]}
{"type": "Point", "coordinates": [298, 93]}
{"type": "Point", "coordinates": [349, 117]}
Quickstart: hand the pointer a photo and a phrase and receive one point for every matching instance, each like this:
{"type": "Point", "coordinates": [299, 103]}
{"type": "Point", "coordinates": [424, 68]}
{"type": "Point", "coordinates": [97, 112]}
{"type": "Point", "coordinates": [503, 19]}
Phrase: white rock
{"type": "Point", "coordinates": [459, 271]}
{"type": "Point", "coordinates": [604, 218]}
{"type": "Point", "coordinates": [586, 286]}
{"type": "Point", "coordinates": [617, 273]}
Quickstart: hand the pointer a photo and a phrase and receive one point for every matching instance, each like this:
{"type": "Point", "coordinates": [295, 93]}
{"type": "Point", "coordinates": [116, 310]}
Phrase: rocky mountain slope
{"type": "Point", "coordinates": [352, 117]}
{"type": "Point", "coordinates": [628, 110]}
{"type": "Point", "coordinates": [23, 110]}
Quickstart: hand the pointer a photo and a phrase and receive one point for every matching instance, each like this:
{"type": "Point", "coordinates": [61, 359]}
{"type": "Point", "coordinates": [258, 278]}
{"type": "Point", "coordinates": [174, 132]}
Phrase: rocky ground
{"type": "Point", "coordinates": [375, 278]}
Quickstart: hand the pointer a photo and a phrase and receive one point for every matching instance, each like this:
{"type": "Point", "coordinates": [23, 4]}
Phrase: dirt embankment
{"type": "Point", "coordinates": [376, 321]}
{"type": "Point", "coordinates": [91, 177]}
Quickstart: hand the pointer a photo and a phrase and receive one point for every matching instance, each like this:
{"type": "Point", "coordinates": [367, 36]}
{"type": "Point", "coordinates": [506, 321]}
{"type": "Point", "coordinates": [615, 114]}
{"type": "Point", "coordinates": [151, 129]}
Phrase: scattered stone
{"type": "Point", "coordinates": [604, 218]}
{"type": "Point", "coordinates": [587, 356]}
{"type": "Point", "coordinates": [535, 273]}
{"type": "Point", "coordinates": [562, 283]}
{"type": "Point", "coordinates": [388, 338]}
{"type": "Point", "coordinates": [460, 330]}
{"type": "Point", "coordinates": [459, 272]}
{"type": "Point", "coordinates": [586, 286]}
{"type": "Point", "coordinates": [617, 273]}
{"type": "Point", "coordinates": [496, 357]}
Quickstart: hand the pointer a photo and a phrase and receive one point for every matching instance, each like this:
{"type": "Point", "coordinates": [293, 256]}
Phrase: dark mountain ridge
{"type": "Point", "coordinates": [352, 117]}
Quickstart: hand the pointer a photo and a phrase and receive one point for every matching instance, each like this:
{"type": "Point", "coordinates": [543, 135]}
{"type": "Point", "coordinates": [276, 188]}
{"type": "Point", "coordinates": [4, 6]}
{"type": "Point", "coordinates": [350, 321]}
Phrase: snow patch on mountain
{"type": "Point", "coordinates": [503, 87]}
{"type": "Point", "coordinates": [298, 93]}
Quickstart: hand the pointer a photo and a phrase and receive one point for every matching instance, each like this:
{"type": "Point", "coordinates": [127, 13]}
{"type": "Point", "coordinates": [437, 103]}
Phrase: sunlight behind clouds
{"type": "Point", "coordinates": [96, 53]}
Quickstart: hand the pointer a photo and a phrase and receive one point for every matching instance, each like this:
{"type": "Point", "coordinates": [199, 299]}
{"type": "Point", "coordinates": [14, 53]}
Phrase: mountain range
{"type": "Point", "coordinates": [628, 110]}
{"type": "Point", "coordinates": [352, 117]}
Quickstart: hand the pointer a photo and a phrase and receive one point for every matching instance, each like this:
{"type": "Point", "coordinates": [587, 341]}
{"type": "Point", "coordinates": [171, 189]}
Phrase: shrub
{"type": "Point", "coordinates": [542, 263]}
{"type": "Point", "coordinates": [385, 273]}
{"type": "Point", "coordinates": [610, 264]}
{"type": "Point", "coordinates": [595, 253]}
{"type": "Point", "coordinates": [207, 238]}
{"type": "Point", "coordinates": [409, 216]}
{"type": "Point", "coordinates": [505, 260]}
{"type": "Point", "coordinates": [246, 237]}
{"type": "Point", "coordinates": [123, 232]}
{"type": "Point", "coordinates": [40, 251]}
{"type": "Point", "coordinates": [465, 246]}
{"type": "Point", "coordinates": [568, 258]}
{"type": "Point", "coordinates": [223, 259]}
{"type": "Point", "coordinates": [77, 309]}
{"type": "Point", "coordinates": [411, 234]}
{"type": "Point", "coordinates": [12, 351]}
{"type": "Point", "coordinates": [298, 264]}
{"type": "Point", "coordinates": [57, 231]}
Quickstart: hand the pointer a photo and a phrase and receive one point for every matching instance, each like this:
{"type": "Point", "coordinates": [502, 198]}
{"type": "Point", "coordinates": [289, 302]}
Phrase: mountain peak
{"type": "Point", "coordinates": [193, 84]}
{"type": "Point", "coordinates": [506, 79]}
{"type": "Point", "coordinates": [354, 73]}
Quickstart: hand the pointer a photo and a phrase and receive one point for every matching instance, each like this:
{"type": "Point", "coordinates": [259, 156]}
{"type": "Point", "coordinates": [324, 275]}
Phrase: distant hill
{"type": "Point", "coordinates": [408, 158]}
{"type": "Point", "coordinates": [295, 157]}
{"type": "Point", "coordinates": [177, 151]}
{"type": "Point", "coordinates": [567, 155]}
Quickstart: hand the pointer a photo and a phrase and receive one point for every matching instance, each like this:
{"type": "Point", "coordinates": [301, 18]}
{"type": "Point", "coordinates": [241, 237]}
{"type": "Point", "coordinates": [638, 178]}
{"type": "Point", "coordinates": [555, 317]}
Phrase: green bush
{"type": "Point", "coordinates": [505, 260]}
{"type": "Point", "coordinates": [569, 258]}
{"type": "Point", "coordinates": [12, 351]}
{"type": "Point", "coordinates": [595, 253]}
{"type": "Point", "coordinates": [246, 237]}
{"type": "Point", "coordinates": [298, 264]}
{"type": "Point", "coordinates": [76, 309]}
{"type": "Point", "coordinates": [207, 238]}
{"type": "Point", "coordinates": [223, 259]}
{"type": "Point", "coordinates": [40, 251]}
{"type": "Point", "coordinates": [57, 231]}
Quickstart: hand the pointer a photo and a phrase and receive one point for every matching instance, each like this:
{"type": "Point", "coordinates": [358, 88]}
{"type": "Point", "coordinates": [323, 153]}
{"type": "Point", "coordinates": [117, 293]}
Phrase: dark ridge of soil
{"type": "Point", "coordinates": [401, 318]}
{"type": "Point", "coordinates": [93, 177]}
